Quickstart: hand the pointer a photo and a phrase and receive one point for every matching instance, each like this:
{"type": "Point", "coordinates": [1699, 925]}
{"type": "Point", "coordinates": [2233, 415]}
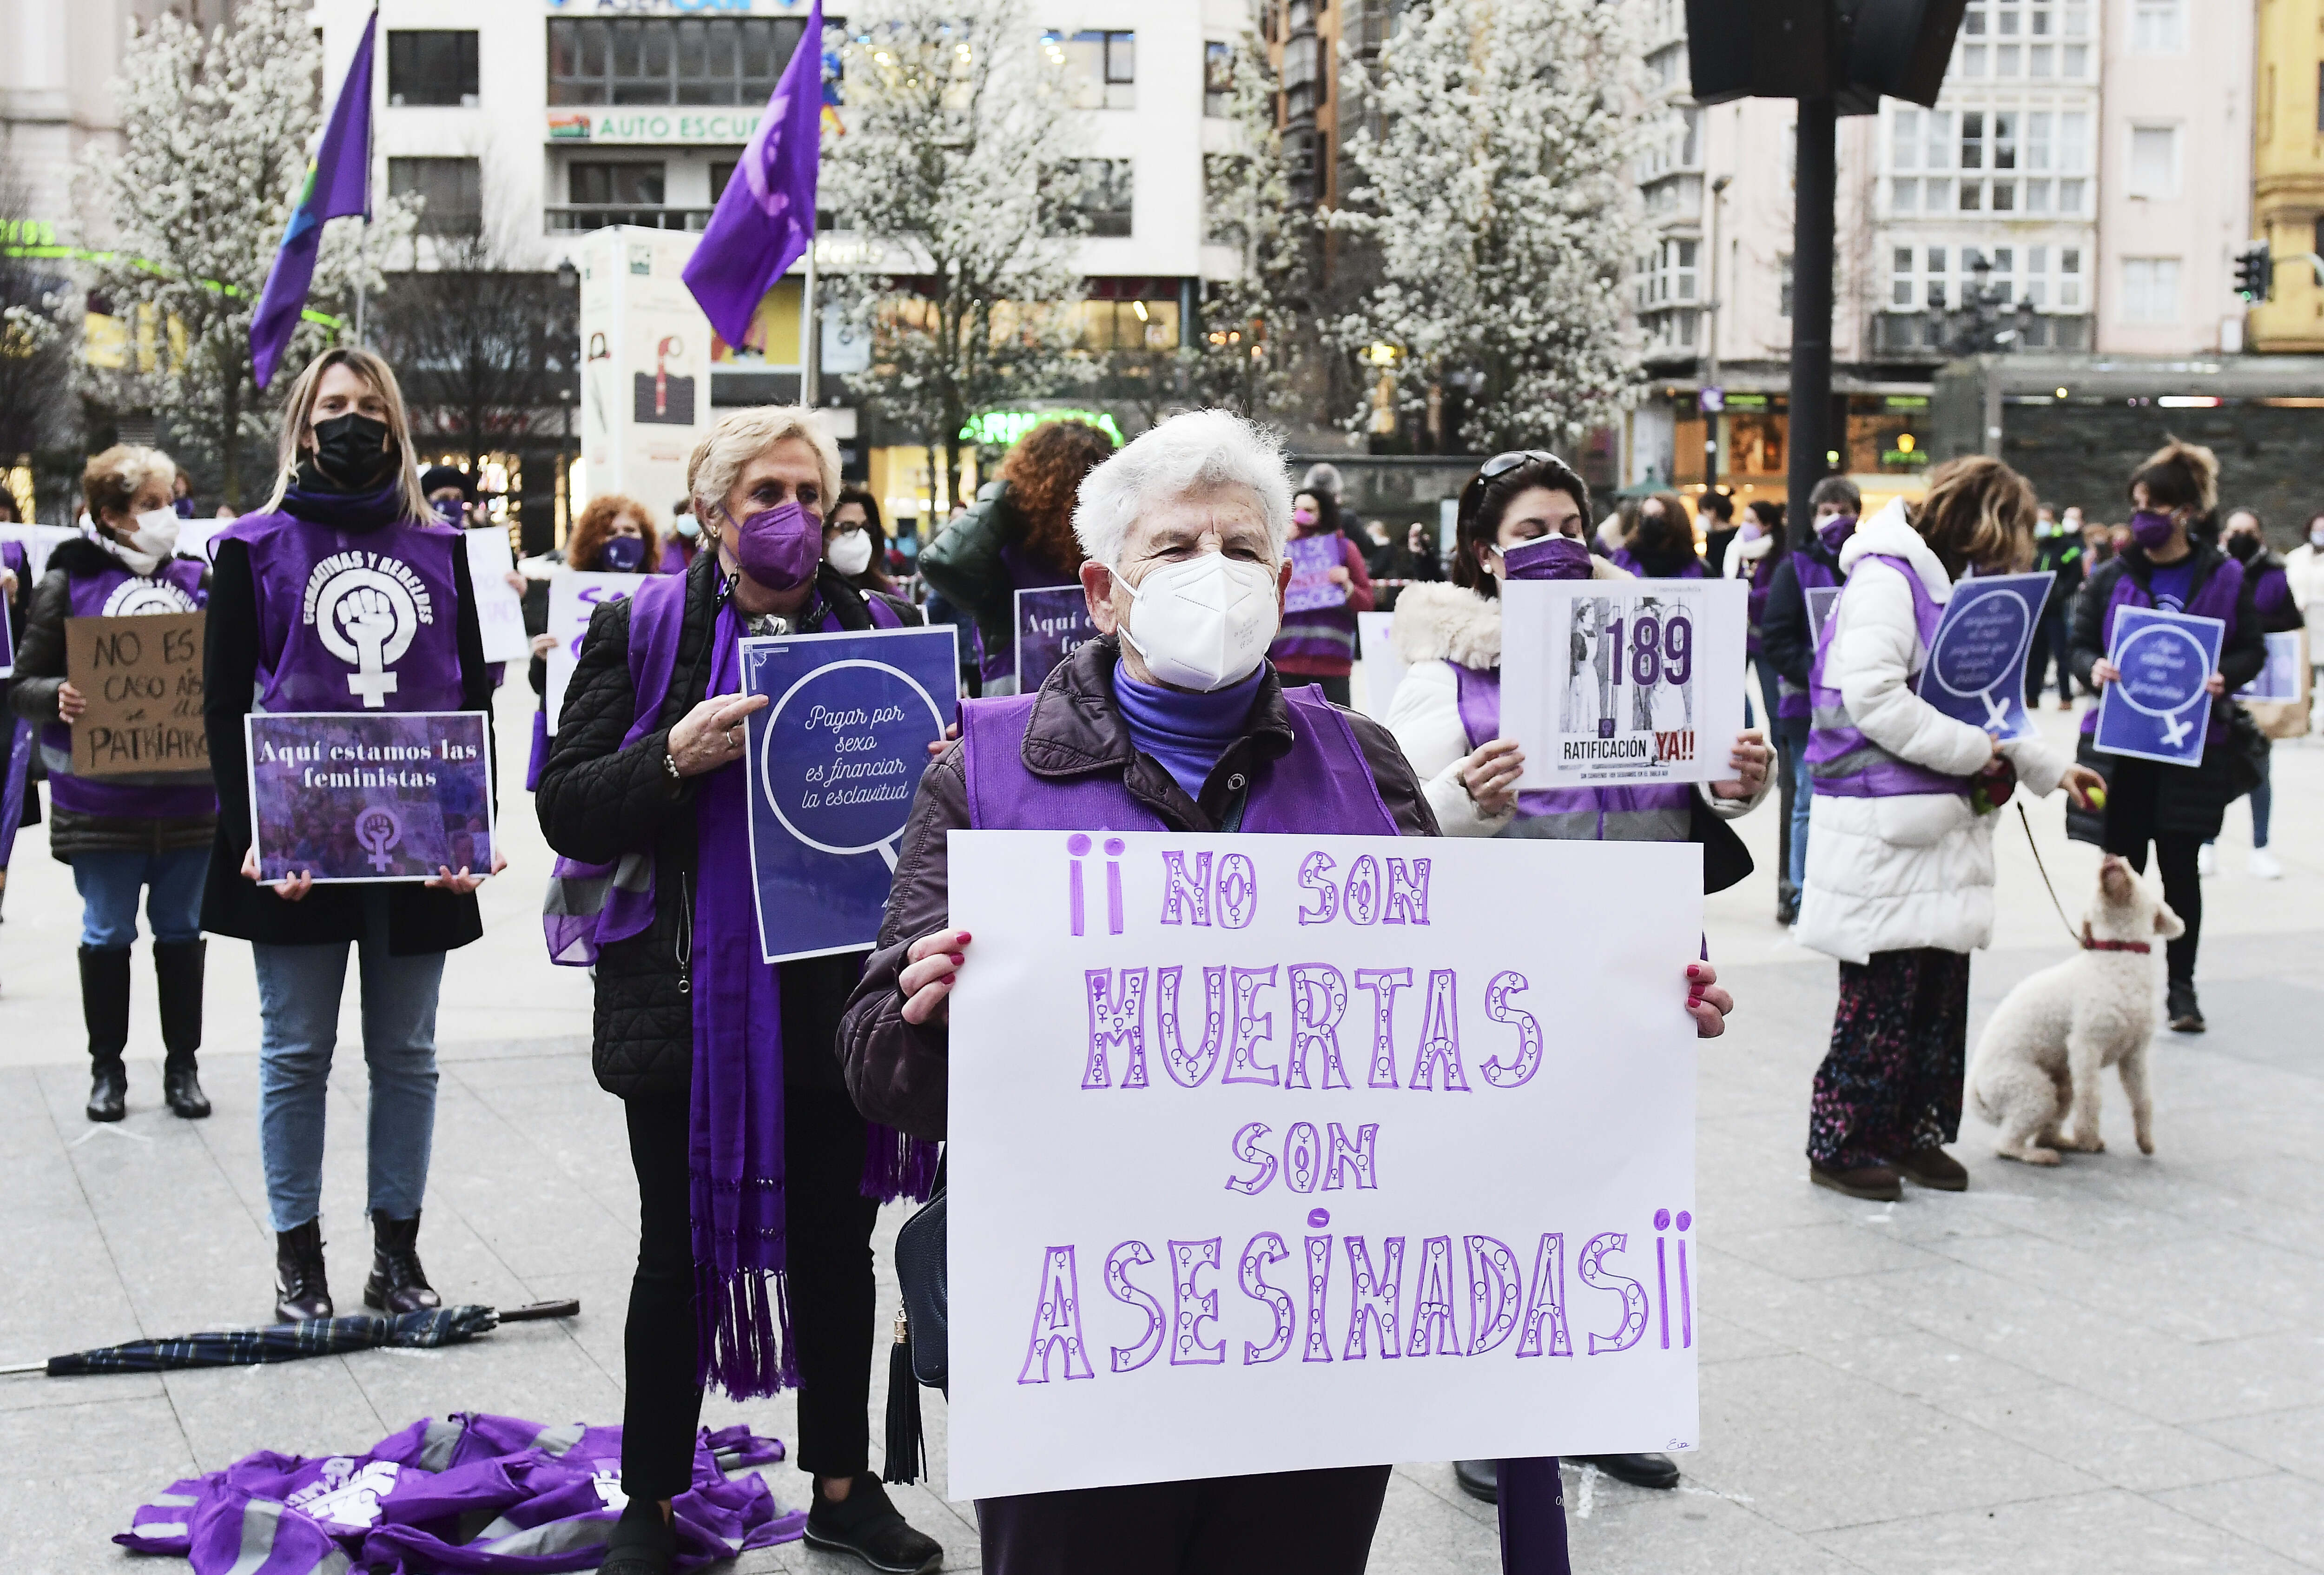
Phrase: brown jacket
{"type": "Point", "coordinates": [896, 1071]}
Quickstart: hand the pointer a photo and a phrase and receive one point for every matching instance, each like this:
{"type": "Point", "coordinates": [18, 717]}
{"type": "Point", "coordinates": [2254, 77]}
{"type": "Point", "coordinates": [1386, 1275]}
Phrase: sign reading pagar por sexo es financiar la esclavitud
{"type": "Point", "coordinates": [1278, 1153]}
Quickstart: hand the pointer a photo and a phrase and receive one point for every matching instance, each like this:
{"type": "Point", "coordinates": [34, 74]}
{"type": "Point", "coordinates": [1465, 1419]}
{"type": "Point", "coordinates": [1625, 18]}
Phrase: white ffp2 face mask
{"type": "Point", "coordinates": [156, 533]}
{"type": "Point", "coordinates": [1204, 622]}
{"type": "Point", "coordinates": [850, 552]}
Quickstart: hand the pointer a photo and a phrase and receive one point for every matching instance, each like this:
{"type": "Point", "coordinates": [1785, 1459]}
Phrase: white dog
{"type": "Point", "coordinates": [2053, 1034]}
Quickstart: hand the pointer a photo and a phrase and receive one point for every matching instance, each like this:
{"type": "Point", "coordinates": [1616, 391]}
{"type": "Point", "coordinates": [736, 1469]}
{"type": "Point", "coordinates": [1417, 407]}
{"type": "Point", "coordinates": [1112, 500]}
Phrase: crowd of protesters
{"type": "Point", "coordinates": [772, 1108]}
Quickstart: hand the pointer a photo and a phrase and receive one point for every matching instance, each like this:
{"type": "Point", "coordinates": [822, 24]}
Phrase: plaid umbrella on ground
{"type": "Point", "coordinates": [290, 1342]}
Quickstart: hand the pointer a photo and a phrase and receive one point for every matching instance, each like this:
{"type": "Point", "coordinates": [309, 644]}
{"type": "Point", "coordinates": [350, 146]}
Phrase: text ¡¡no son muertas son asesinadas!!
{"type": "Point", "coordinates": [1140, 1019]}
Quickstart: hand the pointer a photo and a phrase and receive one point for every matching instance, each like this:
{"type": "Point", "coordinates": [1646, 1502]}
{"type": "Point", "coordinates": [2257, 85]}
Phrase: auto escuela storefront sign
{"type": "Point", "coordinates": [652, 125]}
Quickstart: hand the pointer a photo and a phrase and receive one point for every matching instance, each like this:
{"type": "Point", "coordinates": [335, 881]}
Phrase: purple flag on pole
{"type": "Point", "coordinates": [765, 218]}
{"type": "Point", "coordinates": [338, 186]}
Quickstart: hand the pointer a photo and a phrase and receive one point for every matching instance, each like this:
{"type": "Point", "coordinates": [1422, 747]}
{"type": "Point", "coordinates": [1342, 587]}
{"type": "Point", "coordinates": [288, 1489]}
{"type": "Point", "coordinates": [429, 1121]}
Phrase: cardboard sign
{"type": "Point", "coordinates": [574, 599]}
{"type": "Point", "coordinates": [1052, 623]}
{"type": "Point", "coordinates": [1313, 559]}
{"type": "Point", "coordinates": [500, 608]}
{"type": "Point", "coordinates": [2284, 676]}
{"type": "Point", "coordinates": [1384, 669]}
{"type": "Point", "coordinates": [1608, 682]}
{"type": "Point", "coordinates": [351, 797]}
{"type": "Point", "coordinates": [2160, 709]}
{"type": "Point", "coordinates": [142, 676]}
{"type": "Point", "coordinates": [1975, 671]}
{"type": "Point", "coordinates": [1271, 1153]}
{"type": "Point", "coordinates": [836, 761]}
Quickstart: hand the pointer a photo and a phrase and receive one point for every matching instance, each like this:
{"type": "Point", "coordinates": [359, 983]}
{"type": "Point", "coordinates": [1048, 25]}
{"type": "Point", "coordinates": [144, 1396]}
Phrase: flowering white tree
{"type": "Point", "coordinates": [1496, 193]}
{"type": "Point", "coordinates": [957, 173]}
{"type": "Point", "coordinates": [215, 132]}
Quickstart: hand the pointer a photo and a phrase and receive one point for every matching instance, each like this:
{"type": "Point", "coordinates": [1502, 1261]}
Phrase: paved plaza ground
{"type": "Point", "coordinates": [2115, 1366]}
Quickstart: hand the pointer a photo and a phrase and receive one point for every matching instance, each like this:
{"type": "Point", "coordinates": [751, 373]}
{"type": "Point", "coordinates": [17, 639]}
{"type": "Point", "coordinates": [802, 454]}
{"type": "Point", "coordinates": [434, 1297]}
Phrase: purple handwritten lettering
{"type": "Point", "coordinates": [1266, 1248]}
{"type": "Point", "coordinates": [1353, 1158]}
{"type": "Point", "coordinates": [1319, 1000]}
{"type": "Point", "coordinates": [1237, 891]}
{"type": "Point", "coordinates": [1440, 1037]}
{"type": "Point", "coordinates": [1588, 1267]}
{"type": "Point", "coordinates": [1319, 1280]}
{"type": "Point", "coordinates": [1383, 983]}
{"type": "Point", "coordinates": [1192, 1308]}
{"type": "Point", "coordinates": [1519, 1072]}
{"type": "Point", "coordinates": [1078, 845]}
{"type": "Point", "coordinates": [1117, 1019]}
{"type": "Point", "coordinates": [1433, 1331]}
{"type": "Point", "coordinates": [1113, 918]}
{"type": "Point", "coordinates": [1148, 1344]}
{"type": "Point", "coordinates": [1189, 1070]}
{"type": "Point", "coordinates": [1546, 1303]}
{"type": "Point", "coordinates": [1496, 1282]}
{"type": "Point", "coordinates": [1246, 1149]}
{"type": "Point", "coordinates": [1303, 1158]}
{"type": "Point", "coordinates": [1362, 897]}
{"type": "Point", "coordinates": [1252, 1028]}
{"type": "Point", "coordinates": [1373, 1297]}
{"type": "Point", "coordinates": [1056, 1320]}
{"type": "Point", "coordinates": [1186, 900]}
{"type": "Point", "coordinates": [1407, 892]}
{"type": "Point", "coordinates": [1316, 878]}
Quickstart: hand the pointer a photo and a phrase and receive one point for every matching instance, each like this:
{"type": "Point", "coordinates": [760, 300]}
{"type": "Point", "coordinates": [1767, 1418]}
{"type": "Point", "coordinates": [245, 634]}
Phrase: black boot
{"type": "Point", "coordinates": [2179, 1005]}
{"type": "Point", "coordinates": [397, 1284]}
{"type": "Point", "coordinates": [104, 1007]}
{"type": "Point", "coordinates": [301, 1289]}
{"type": "Point", "coordinates": [1787, 903]}
{"type": "Point", "coordinates": [177, 975]}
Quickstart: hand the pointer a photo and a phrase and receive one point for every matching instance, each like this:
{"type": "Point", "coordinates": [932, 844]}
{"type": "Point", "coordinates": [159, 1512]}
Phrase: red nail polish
{"type": "Point", "coordinates": [965, 938]}
{"type": "Point", "coordinates": [957, 959]}
{"type": "Point", "coordinates": [1694, 972]}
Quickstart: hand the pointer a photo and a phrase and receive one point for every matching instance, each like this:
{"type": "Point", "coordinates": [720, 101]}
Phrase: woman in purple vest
{"type": "Point", "coordinates": [1900, 874]}
{"type": "Point", "coordinates": [1017, 536]}
{"type": "Point", "coordinates": [1172, 720]}
{"type": "Point", "coordinates": [2177, 808]}
{"type": "Point", "coordinates": [1523, 516]}
{"type": "Point", "coordinates": [1661, 544]}
{"type": "Point", "coordinates": [122, 834]}
{"type": "Point", "coordinates": [716, 1055]}
{"type": "Point", "coordinates": [343, 594]}
{"type": "Point", "coordinates": [1787, 642]}
{"type": "Point", "coordinates": [1319, 644]}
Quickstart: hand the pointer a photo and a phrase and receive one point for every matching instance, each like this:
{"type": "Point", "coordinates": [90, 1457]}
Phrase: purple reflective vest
{"type": "Point", "coordinates": [1841, 760]}
{"type": "Point", "coordinates": [1642, 812]}
{"type": "Point", "coordinates": [1324, 785]}
{"type": "Point", "coordinates": [1816, 569]}
{"type": "Point", "coordinates": [1623, 558]}
{"type": "Point", "coordinates": [470, 1492]}
{"type": "Point", "coordinates": [1319, 633]}
{"type": "Point", "coordinates": [353, 620]}
{"type": "Point", "coordinates": [590, 907]}
{"type": "Point", "coordinates": [174, 587]}
{"type": "Point", "coordinates": [2217, 600]}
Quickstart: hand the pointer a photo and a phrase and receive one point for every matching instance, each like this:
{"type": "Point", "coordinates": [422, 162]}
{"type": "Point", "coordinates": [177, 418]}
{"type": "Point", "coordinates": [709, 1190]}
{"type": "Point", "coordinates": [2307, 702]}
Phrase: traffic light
{"type": "Point", "coordinates": [2254, 274]}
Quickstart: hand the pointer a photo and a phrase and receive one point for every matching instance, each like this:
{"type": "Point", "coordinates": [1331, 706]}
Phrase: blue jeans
{"type": "Point", "coordinates": [1795, 750]}
{"type": "Point", "coordinates": [109, 884]}
{"type": "Point", "coordinates": [298, 1013]}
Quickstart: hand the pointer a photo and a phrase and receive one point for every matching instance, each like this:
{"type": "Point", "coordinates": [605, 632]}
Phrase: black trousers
{"type": "Point", "coordinates": [2048, 643]}
{"type": "Point", "coordinates": [832, 1295]}
{"type": "Point", "coordinates": [1289, 1523]}
{"type": "Point", "coordinates": [2130, 827]}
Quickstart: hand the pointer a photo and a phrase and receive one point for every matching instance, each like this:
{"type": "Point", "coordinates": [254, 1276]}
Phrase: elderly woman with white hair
{"type": "Point", "coordinates": [751, 1162]}
{"type": "Point", "coordinates": [1171, 719]}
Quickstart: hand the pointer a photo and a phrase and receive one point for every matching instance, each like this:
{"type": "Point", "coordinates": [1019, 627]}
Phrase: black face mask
{"type": "Point", "coordinates": [2244, 548]}
{"type": "Point", "coordinates": [353, 453]}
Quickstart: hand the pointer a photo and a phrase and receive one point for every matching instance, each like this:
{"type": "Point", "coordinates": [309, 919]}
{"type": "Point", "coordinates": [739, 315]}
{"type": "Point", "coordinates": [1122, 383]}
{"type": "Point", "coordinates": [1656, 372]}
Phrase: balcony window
{"type": "Point", "coordinates": [1218, 79]}
{"type": "Point", "coordinates": [2158, 27]}
{"type": "Point", "coordinates": [1102, 201]}
{"type": "Point", "coordinates": [431, 67]}
{"type": "Point", "coordinates": [451, 192]}
{"type": "Point", "coordinates": [1100, 68]}
{"type": "Point", "coordinates": [601, 192]}
{"type": "Point", "coordinates": [2150, 289]}
{"type": "Point", "coordinates": [668, 60]}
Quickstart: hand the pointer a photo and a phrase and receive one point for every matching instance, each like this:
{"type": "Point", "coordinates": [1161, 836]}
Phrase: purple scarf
{"type": "Point", "coordinates": [734, 1158]}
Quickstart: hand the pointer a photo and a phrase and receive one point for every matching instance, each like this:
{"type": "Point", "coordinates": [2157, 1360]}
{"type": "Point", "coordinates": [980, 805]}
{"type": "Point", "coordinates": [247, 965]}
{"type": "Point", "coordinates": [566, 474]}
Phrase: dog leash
{"type": "Point", "coordinates": [2024, 821]}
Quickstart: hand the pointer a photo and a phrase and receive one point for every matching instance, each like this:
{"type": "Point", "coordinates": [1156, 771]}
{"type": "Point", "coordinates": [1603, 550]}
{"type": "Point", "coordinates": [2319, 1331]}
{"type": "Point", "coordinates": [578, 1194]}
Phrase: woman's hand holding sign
{"type": "Point", "coordinates": [1491, 774]}
{"type": "Point", "coordinates": [1749, 758]}
{"type": "Point", "coordinates": [931, 968]}
{"type": "Point", "coordinates": [1706, 1001]}
{"type": "Point", "coordinates": [290, 889]}
{"type": "Point", "coordinates": [463, 883]}
{"type": "Point", "coordinates": [712, 734]}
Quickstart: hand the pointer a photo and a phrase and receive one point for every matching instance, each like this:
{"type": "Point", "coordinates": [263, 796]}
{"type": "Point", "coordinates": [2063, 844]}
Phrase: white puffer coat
{"type": "Point", "coordinates": [1437, 625]}
{"type": "Point", "coordinates": [1915, 869]}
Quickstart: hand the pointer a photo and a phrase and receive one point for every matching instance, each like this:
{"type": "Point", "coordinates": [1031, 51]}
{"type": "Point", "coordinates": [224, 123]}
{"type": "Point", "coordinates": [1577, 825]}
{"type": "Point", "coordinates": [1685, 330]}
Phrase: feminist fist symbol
{"type": "Point", "coordinates": [369, 619]}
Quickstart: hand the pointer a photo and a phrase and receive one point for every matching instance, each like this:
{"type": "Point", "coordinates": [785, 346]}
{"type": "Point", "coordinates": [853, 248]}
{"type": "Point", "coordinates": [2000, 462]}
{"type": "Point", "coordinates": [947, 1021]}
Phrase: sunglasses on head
{"type": "Point", "coordinates": [1502, 464]}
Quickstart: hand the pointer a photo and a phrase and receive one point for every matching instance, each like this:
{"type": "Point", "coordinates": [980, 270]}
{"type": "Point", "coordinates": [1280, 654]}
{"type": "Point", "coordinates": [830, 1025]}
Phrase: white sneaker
{"type": "Point", "coordinates": [2264, 866]}
{"type": "Point", "coordinates": [2206, 860]}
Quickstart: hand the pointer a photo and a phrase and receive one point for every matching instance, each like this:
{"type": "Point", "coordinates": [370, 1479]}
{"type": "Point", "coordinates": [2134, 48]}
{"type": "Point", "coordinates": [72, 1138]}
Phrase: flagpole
{"type": "Point", "coordinates": [812, 375]}
{"type": "Point", "coordinates": [363, 237]}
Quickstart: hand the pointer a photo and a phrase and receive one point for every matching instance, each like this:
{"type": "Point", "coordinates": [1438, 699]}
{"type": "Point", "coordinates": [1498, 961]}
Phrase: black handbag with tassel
{"type": "Point", "coordinates": [920, 1354]}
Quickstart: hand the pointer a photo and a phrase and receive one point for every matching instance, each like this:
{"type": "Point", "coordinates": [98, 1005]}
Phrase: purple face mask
{"type": "Point", "coordinates": [2150, 530]}
{"type": "Point", "coordinates": [780, 547]}
{"type": "Point", "coordinates": [1546, 557]}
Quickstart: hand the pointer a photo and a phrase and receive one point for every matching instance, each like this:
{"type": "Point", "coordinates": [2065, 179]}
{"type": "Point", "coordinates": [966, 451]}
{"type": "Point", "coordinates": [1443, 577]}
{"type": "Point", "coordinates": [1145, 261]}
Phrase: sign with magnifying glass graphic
{"type": "Point", "coordinates": [835, 760]}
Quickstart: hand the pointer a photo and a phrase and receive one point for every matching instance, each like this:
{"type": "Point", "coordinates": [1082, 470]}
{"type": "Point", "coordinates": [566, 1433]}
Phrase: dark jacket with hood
{"type": "Point", "coordinates": [596, 797]}
{"type": "Point", "coordinates": [2191, 800]}
{"type": "Point", "coordinates": [32, 695]}
{"type": "Point", "coordinates": [897, 1072]}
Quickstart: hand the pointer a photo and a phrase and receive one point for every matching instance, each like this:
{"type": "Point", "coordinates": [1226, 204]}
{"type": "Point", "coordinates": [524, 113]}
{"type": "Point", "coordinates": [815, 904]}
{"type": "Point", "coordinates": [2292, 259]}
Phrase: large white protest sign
{"type": "Point", "coordinates": [499, 610]}
{"type": "Point", "coordinates": [1274, 1152]}
{"type": "Point", "coordinates": [1608, 682]}
{"type": "Point", "coordinates": [574, 599]}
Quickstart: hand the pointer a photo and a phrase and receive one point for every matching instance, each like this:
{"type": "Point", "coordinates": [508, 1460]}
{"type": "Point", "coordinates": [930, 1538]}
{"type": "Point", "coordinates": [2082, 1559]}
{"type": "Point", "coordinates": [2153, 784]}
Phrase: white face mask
{"type": "Point", "coordinates": [1204, 622]}
{"type": "Point", "coordinates": [2316, 539]}
{"type": "Point", "coordinates": [850, 552]}
{"type": "Point", "coordinates": [156, 533]}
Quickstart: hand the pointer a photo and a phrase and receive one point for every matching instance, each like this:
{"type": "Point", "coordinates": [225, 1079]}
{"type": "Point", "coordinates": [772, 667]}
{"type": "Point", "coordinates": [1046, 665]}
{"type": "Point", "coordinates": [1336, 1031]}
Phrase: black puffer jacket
{"type": "Point", "coordinates": [597, 801]}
